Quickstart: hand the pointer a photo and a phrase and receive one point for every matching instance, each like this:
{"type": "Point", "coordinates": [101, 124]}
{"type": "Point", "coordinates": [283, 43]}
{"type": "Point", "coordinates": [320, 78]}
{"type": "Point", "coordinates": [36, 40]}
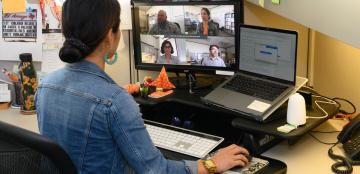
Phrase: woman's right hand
{"type": "Point", "coordinates": [229, 157]}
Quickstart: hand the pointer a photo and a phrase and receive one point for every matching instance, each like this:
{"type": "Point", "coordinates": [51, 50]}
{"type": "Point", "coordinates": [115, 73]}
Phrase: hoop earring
{"type": "Point", "coordinates": [110, 62]}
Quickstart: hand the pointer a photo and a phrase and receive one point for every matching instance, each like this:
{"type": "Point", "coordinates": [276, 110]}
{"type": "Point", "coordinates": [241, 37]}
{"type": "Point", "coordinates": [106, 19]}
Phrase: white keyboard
{"type": "Point", "coordinates": [181, 140]}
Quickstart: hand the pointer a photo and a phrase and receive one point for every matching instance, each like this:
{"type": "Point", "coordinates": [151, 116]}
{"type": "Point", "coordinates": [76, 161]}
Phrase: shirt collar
{"type": "Point", "coordinates": [213, 58]}
{"type": "Point", "coordinates": [88, 67]}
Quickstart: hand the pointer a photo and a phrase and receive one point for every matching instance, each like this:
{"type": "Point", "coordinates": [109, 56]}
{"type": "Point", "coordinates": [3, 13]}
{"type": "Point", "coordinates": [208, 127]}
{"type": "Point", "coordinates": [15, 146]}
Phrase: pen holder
{"type": "Point", "coordinates": [16, 95]}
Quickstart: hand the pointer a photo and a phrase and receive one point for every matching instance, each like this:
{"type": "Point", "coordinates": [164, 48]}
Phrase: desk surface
{"type": "Point", "coordinates": [306, 156]}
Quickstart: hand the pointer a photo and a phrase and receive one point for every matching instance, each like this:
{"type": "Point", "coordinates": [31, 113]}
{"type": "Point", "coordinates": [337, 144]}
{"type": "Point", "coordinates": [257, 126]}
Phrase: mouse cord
{"type": "Point", "coordinates": [342, 162]}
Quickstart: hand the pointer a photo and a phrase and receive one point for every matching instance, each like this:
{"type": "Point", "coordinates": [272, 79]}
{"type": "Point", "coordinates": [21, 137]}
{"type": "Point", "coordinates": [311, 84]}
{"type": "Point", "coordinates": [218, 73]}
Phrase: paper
{"type": "Point", "coordinates": [51, 47]}
{"type": "Point", "coordinates": [275, 2]}
{"type": "Point", "coordinates": [51, 15]}
{"type": "Point", "coordinates": [11, 47]}
{"type": "Point", "coordinates": [262, 3]}
{"type": "Point", "coordinates": [14, 6]}
{"type": "Point", "coordinates": [52, 61]}
{"type": "Point", "coordinates": [125, 15]}
{"type": "Point", "coordinates": [20, 27]}
{"type": "Point", "coordinates": [258, 106]}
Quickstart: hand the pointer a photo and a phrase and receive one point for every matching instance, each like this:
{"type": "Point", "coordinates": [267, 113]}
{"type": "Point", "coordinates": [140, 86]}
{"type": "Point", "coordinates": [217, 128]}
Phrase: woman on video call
{"type": "Point", "coordinates": [207, 27]}
{"type": "Point", "coordinates": [167, 58]}
{"type": "Point", "coordinates": [97, 122]}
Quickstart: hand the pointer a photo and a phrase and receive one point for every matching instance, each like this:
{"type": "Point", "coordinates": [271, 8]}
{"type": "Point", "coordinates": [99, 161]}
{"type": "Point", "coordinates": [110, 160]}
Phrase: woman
{"type": "Point", "coordinates": [97, 122]}
{"type": "Point", "coordinates": [167, 58]}
{"type": "Point", "coordinates": [207, 27]}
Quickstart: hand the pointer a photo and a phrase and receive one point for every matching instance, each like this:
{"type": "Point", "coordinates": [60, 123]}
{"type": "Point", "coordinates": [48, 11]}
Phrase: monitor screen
{"type": "Point", "coordinates": [196, 36]}
{"type": "Point", "coordinates": [268, 51]}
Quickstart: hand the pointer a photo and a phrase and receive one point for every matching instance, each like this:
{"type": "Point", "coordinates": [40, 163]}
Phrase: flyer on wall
{"type": "Point", "coordinates": [51, 15]}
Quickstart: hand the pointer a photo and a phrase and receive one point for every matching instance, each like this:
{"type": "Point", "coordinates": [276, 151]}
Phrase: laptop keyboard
{"type": "Point", "coordinates": [255, 87]}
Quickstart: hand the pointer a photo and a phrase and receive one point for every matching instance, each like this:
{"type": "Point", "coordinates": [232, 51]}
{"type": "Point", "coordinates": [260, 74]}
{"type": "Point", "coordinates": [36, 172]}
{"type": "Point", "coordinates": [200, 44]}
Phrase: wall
{"type": "Point", "coordinates": [120, 71]}
{"type": "Point", "coordinates": [255, 15]}
{"type": "Point", "coordinates": [338, 19]}
{"type": "Point", "coordinates": [337, 69]}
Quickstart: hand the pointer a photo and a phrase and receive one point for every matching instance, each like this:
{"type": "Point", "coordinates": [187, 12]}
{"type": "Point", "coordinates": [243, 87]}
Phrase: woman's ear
{"type": "Point", "coordinates": [108, 39]}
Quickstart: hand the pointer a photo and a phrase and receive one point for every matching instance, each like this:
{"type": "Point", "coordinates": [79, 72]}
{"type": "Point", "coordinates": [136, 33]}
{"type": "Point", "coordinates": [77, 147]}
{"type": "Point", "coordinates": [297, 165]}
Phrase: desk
{"type": "Point", "coordinates": [13, 116]}
{"type": "Point", "coordinates": [181, 101]}
{"type": "Point", "coordinates": [306, 156]}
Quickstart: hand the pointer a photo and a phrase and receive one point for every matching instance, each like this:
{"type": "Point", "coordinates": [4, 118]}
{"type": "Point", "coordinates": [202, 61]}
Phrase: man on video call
{"type": "Point", "coordinates": [213, 59]}
{"type": "Point", "coordinates": [163, 26]}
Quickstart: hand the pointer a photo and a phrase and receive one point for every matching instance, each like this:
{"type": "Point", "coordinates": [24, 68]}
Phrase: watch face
{"type": "Point", "coordinates": [210, 163]}
{"type": "Point", "coordinates": [210, 166]}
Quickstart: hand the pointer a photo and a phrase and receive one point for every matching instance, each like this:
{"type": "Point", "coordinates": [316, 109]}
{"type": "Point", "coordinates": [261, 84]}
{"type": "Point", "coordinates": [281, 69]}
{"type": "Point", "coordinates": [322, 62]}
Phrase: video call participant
{"type": "Point", "coordinates": [207, 27]}
{"type": "Point", "coordinates": [163, 26]}
{"type": "Point", "coordinates": [98, 123]}
{"type": "Point", "coordinates": [213, 59]}
{"type": "Point", "coordinates": [167, 58]}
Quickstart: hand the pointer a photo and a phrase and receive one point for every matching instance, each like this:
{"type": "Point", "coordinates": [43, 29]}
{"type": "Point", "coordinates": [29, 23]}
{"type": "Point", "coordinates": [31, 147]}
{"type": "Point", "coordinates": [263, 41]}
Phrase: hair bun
{"type": "Point", "coordinates": [73, 50]}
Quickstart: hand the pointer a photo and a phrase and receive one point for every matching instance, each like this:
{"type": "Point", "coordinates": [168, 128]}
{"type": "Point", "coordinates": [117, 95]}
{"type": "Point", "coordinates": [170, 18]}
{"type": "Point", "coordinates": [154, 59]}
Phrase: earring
{"type": "Point", "coordinates": [110, 62]}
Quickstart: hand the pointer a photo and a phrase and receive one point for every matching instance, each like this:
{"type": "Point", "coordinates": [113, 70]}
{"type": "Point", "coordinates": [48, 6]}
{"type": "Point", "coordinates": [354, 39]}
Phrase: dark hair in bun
{"type": "Point", "coordinates": [85, 24]}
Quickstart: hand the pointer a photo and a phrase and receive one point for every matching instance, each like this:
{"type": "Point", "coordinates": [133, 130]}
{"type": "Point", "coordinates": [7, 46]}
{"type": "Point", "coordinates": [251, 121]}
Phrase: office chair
{"type": "Point", "coordinates": [23, 151]}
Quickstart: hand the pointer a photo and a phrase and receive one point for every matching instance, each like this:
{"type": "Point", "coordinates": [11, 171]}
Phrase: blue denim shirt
{"type": "Point", "coordinates": [99, 124]}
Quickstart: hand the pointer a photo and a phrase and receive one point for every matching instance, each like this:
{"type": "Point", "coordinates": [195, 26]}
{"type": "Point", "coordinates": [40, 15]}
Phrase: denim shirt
{"type": "Point", "coordinates": [99, 124]}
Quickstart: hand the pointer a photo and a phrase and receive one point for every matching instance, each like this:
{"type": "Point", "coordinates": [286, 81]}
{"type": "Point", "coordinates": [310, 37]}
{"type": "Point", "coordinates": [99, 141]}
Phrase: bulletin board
{"type": "Point", "coordinates": [18, 40]}
{"type": "Point", "coordinates": [21, 33]}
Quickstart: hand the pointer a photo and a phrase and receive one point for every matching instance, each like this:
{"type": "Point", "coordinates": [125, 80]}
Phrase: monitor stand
{"type": "Point", "coordinates": [192, 82]}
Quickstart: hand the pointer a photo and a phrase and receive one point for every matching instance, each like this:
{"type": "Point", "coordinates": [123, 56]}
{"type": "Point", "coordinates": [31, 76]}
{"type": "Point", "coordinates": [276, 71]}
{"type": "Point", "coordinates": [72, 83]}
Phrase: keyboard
{"type": "Point", "coordinates": [181, 140]}
{"type": "Point", "coordinates": [255, 87]}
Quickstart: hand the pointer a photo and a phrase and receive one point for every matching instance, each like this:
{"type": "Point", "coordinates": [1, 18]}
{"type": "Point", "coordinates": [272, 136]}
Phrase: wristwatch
{"type": "Point", "coordinates": [210, 166]}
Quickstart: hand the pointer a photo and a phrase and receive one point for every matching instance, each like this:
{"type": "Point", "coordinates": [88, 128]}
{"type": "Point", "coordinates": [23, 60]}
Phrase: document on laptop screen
{"type": "Point", "coordinates": [268, 53]}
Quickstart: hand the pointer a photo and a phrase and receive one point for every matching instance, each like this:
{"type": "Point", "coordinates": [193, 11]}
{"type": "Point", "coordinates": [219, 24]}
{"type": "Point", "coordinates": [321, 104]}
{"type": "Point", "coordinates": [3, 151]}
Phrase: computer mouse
{"type": "Point", "coordinates": [249, 157]}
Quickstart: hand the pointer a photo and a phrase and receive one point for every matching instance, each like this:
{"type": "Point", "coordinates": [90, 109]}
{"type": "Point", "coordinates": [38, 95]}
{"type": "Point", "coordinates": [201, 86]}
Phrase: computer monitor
{"type": "Point", "coordinates": [186, 36]}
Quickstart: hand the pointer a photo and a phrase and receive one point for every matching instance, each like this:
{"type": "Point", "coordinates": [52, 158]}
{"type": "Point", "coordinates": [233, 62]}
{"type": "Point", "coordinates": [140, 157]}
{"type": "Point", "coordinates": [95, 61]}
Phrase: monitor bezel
{"type": "Point", "coordinates": [238, 12]}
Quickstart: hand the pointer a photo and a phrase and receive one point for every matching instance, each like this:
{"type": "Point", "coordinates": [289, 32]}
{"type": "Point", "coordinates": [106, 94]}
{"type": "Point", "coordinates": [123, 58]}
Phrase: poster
{"type": "Point", "coordinates": [21, 33]}
{"type": "Point", "coordinates": [51, 15]}
{"type": "Point", "coordinates": [20, 27]}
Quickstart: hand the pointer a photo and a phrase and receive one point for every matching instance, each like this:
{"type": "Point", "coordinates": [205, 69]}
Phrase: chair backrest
{"type": "Point", "coordinates": [23, 151]}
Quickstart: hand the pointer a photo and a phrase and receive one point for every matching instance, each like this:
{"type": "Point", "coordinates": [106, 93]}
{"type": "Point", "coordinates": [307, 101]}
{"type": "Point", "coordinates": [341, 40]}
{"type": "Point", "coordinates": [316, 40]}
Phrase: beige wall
{"type": "Point", "coordinates": [120, 71]}
{"type": "Point", "coordinates": [255, 15]}
{"type": "Point", "coordinates": [337, 69]}
{"type": "Point", "coordinates": [338, 19]}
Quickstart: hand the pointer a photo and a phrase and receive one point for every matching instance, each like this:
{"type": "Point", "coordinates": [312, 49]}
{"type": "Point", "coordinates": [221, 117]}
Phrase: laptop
{"type": "Point", "coordinates": [266, 74]}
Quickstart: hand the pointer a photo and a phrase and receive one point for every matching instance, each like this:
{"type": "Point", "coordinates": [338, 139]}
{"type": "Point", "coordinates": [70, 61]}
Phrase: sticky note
{"type": "Point", "coordinates": [258, 106]}
{"type": "Point", "coordinates": [261, 3]}
{"type": "Point", "coordinates": [14, 6]}
{"type": "Point", "coordinates": [275, 1]}
{"type": "Point", "coordinates": [286, 128]}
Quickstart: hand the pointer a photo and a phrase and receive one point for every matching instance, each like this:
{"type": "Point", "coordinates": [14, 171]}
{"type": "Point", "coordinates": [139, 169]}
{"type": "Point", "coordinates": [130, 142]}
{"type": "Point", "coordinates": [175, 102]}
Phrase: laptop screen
{"type": "Point", "coordinates": [269, 52]}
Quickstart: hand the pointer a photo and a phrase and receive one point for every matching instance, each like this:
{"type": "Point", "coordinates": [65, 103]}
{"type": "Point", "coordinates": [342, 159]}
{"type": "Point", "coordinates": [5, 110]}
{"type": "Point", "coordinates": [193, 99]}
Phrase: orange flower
{"type": "Point", "coordinates": [26, 80]}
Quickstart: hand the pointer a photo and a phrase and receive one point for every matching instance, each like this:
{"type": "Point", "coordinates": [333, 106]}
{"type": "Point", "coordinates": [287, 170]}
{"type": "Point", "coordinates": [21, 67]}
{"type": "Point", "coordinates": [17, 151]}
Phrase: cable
{"type": "Point", "coordinates": [329, 101]}
{"type": "Point", "coordinates": [347, 101]}
{"type": "Point", "coordinates": [320, 140]}
{"type": "Point", "coordinates": [326, 132]}
{"type": "Point", "coordinates": [343, 113]}
{"type": "Point", "coordinates": [341, 162]}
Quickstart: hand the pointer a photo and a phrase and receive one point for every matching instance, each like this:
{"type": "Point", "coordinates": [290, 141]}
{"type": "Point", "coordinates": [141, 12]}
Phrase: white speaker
{"type": "Point", "coordinates": [296, 110]}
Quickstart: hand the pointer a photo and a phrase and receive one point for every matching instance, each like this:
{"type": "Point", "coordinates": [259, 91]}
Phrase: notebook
{"type": "Point", "coordinates": [266, 74]}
